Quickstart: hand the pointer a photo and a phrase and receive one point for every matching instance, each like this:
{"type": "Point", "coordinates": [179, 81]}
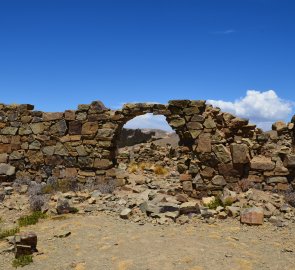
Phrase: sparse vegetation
{"type": "Point", "coordinates": [157, 169]}
{"type": "Point", "coordinates": [22, 261]}
{"type": "Point", "coordinates": [218, 202]}
{"type": "Point", "coordinates": [8, 232]}
{"type": "Point", "coordinates": [160, 170]}
{"type": "Point", "coordinates": [31, 219]}
{"type": "Point", "coordinates": [214, 203]}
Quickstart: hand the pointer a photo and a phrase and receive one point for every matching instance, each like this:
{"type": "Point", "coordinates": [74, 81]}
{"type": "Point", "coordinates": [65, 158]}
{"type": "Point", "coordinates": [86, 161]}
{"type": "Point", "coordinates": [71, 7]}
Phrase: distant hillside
{"type": "Point", "coordinates": [130, 137]}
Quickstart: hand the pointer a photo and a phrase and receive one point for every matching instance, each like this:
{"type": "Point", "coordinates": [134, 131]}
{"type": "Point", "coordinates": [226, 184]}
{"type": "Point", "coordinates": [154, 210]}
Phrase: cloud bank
{"type": "Point", "coordinates": [262, 108]}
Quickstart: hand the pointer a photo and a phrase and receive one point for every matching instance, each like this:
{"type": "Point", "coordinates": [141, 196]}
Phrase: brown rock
{"type": "Point", "coordinates": [5, 148]}
{"type": "Point", "coordinates": [279, 126]}
{"type": "Point", "coordinates": [218, 180]}
{"type": "Point", "coordinates": [89, 128]}
{"type": "Point", "coordinates": [187, 186]}
{"type": "Point", "coordinates": [240, 153]}
{"type": "Point", "coordinates": [204, 143]}
{"type": "Point", "coordinates": [185, 177]}
{"type": "Point", "coordinates": [37, 128]}
{"type": "Point", "coordinates": [252, 216]}
{"type": "Point", "coordinates": [52, 116]}
{"type": "Point", "coordinates": [75, 127]}
{"type": "Point", "coordinates": [102, 163]}
{"type": "Point", "coordinates": [262, 163]}
{"type": "Point", "coordinates": [3, 158]}
{"type": "Point", "coordinates": [222, 153]}
{"type": "Point", "coordinates": [70, 115]}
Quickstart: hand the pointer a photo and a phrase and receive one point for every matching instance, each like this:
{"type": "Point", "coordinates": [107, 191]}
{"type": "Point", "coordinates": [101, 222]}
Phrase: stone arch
{"type": "Point", "coordinates": [132, 110]}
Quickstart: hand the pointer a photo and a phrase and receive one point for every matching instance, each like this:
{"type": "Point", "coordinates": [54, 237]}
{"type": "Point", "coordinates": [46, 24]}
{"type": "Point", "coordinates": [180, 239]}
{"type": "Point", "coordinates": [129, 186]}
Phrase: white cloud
{"type": "Point", "coordinates": [225, 32]}
{"type": "Point", "coordinates": [262, 108]}
{"type": "Point", "coordinates": [149, 121]}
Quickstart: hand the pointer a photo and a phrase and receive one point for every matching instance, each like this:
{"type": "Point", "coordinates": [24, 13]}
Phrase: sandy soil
{"type": "Point", "coordinates": [105, 242]}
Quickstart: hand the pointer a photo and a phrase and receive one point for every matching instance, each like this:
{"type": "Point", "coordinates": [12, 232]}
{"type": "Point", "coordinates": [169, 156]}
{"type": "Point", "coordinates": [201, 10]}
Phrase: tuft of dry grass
{"type": "Point", "coordinates": [160, 170]}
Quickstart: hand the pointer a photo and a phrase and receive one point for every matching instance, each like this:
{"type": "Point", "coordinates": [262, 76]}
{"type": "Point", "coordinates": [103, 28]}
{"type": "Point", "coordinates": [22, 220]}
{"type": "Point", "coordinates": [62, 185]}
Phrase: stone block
{"type": "Point", "coordinates": [240, 153]}
{"type": "Point", "coordinates": [89, 128]}
{"type": "Point", "coordinates": [262, 163]}
{"type": "Point", "coordinates": [252, 216]}
{"type": "Point", "coordinates": [6, 169]}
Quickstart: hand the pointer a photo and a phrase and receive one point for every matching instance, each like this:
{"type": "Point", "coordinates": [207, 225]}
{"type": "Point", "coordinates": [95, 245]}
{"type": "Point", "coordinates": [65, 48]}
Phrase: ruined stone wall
{"type": "Point", "coordinates": [218, 149]}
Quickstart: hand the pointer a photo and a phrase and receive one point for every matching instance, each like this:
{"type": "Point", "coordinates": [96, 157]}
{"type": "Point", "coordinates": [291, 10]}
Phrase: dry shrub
{"type": "Point", "coordinates": [160, 170]}
{"type": "Point", "coordinates": [145, 166]}
{"type": "Point", "coordinates": [133, 168]}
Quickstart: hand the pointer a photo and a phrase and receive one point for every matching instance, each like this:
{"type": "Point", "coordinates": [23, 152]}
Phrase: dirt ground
{"type": "Point", "coordinates": [104, 242]}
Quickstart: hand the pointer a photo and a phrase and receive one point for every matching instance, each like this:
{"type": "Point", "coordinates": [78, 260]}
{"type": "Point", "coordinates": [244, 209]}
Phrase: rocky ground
{"type": "Point", "coordinates": [100, 241]}
{"type": "Point", "coordinates": [147, 224]}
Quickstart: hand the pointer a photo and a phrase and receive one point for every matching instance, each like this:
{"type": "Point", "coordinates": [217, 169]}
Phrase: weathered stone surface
{"type": "Point", "coordinates": [9, 131]}
{"type": "Point", "coordinates": [178, 122]}
{"type": "Point", "coordinates": [194, 125]}
{"type": "Point", "coordinates": [187, 186]}
{"type": "Point", "coordinates": [6, 169]}
{"type": "Point", "coordinates": [262, 163]}
{"type": "Point", "coordinates": [52, 116]}
{"type": "Point", "coordinates": [222, 153]}
{"type": "Point", "coordinates": [278, 179]}
{"type": "Point", "coordinates": [75, 127]}
{"type": "Point", "coordinates": [218, 180]}
{"type": "Point", "coordinates": [252, 216]}
{"type": "Point", "coordinates": [89, 128]}
{"type": "Point", "coordinates": [126, 213]}
{"type": "Point", "coordinates": [289, 161]}
{"type": "Point", "coordinates": [60, 127]}
{"type": "Point", "coordinates": [63, 206]}
{"type": "Point", "coordinates": [209, 123]}
{"type": "Point", "coordinates": [61, 150]}
{"type": "Point", "coordinates": [240, 153]}
{"type": "Point", "coordinates": [189, 207]}
{"type": "Point", "coordinates": [204, 143]}
{"type": "Point", "coordinates": [102, 163]}
{"type": "Point", "coordinates": [279, 126]}
{"type": "Point", "coordinates": [3, 158]}
{"type": "Point", "coordinates": [37, 128]}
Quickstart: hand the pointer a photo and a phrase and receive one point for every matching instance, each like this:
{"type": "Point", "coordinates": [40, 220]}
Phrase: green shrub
{"type": "Point", "coordinates": [8, 232]}
{"type": "Point", "coordinates": [22, 261]}
{"type": "Point", "coordinates": [47, 189]}
{"type": "Point", "coordinates": [228, 202]}
{"type": "Point", "coordinates": [218, 202]}
{"type": "Point", "coordinates": [31, 219]}
{"type": "Point", "coordinates": [215, 203]}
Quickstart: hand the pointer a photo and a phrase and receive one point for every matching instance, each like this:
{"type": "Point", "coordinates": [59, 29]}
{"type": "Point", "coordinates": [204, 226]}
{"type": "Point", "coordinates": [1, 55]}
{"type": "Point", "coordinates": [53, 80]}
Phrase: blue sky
{"type": "Point", "coordinates": [60, 53]}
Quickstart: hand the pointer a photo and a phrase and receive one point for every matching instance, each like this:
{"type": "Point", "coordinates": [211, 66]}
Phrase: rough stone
{"type": "Point", "coordinates": [240, 153]}
{"type": "Point", "coordinates": [262, 163]}
{"type": "Point", "coordinates": [252, 216]}
{"type": "Point", "coordinates": [6, 169]}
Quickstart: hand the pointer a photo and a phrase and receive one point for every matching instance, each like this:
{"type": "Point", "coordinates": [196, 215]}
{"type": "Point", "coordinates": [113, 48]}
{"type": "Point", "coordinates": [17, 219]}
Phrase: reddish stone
{"type": "Point", "coordinates": [252, 216]}
{"type": "Point", "coordinates": [75, 127]}
{"type": "Point", "coordinates": [185, 177]}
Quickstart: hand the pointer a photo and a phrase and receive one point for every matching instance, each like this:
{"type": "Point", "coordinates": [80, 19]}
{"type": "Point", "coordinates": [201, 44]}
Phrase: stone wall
{"type": "Point", "coordinates": [218, 149]}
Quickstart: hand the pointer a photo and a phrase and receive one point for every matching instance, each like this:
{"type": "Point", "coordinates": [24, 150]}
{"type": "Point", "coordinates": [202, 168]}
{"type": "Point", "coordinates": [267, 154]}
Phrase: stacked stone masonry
{"type": "Point", "coordinates": [218, 149]}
